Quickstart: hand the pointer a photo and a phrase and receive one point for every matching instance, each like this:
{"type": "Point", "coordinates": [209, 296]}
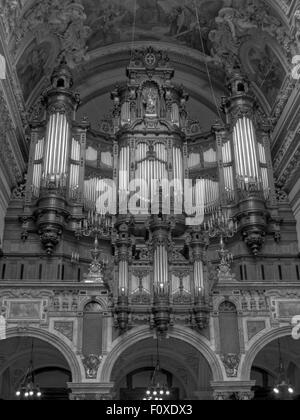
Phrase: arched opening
{"type": "Point", "coordinates": [184, 371]}
{"type": "Point", "coordinates": [278, 359]}
{"type": "Point", "coordinates": [50, 369]}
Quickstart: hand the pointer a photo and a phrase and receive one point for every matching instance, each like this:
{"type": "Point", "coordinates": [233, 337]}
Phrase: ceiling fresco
{"type": "Point", "coordinates": [158, 20]}
{"type": "Point", "coordinates": [267, 70]}
{"type": "Point", "coordinates": [31, 66]}
{"type": "Point", "coordinates": [79, 29]}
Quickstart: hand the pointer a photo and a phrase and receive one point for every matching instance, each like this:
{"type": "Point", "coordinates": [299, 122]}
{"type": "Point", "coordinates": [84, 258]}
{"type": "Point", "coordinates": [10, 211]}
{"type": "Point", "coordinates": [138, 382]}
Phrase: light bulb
{"type": "Point", "coordinates": [148, 392]}
{"type": "Point", "coordinates": [291, 391]}
{"type": "Point", "coordinates": [162, 392]}
{"type": "Point", "coordinates": [26, 394]}
{"type": "Point", "coordinates": [167, 393]}
{"type": "Point", "coordinates": [154, 392]}
{"type": "Point", "coordinates": [31, 393]}
{"type": "Point", "coordinates": [276, 391]}
{"type": "Point", "coordinates": [18, 394]}
{"type": "Point", "coordinates": [39, 394]}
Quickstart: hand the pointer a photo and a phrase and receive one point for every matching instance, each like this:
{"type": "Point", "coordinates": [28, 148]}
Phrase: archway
{"type": "Point", "coordinates": [263, 361]}
{"type": "Point", "coordinates": [65, 361]}
{"type": "Point", "coordinates": [50, 368]}
{"type": "Point", "coordinates": [191, 367]}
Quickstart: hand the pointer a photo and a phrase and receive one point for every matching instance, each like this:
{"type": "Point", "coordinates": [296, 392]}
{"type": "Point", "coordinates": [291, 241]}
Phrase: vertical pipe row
{"type": "Point", "coordinates": [57, 145]}
{"type": "Point", "coordinates": [245, 149]}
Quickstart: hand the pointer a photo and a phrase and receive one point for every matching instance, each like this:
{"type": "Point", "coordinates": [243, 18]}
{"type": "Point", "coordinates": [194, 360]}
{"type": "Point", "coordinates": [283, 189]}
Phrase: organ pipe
{"type": "Point", "coordinates": [57, 144]}
{"type": "Point", "coordinates": [161, 265]}
{"type": "Point", "coordinates": [245, 150]}
{"type": "Point", "coordinates": [198, 275]}
{"type": "Point", "coordinates": [37, 167]}
{"type": "Point", "coordinates": [123, 276]}
{"type": "Point", "coordinates": [74, 167]}
{"type": "Point", "coordinates": [205, 196]}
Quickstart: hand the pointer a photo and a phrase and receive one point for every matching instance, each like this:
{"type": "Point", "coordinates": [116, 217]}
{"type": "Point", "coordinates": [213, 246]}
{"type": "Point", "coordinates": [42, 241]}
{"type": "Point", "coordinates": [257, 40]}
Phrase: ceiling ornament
{"type": "Point", "coordinates": [10, 12]}
{"type": "Point", "coordinates": [63, 20]}
{"type": "Point", "coordinates": [7, 154]}
{"type": "Point", "coordinates": [235, 25]}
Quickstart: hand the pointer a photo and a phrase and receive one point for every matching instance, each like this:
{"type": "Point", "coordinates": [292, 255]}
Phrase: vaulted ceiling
{"type": "Point", "coordinates": [97, 36]}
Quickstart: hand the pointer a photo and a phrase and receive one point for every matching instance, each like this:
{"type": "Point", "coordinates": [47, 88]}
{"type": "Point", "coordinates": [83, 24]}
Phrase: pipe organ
{"type": "Point", "coordinates": [247, 177]}
{"type": "Point", "coordinates": [160, 179]}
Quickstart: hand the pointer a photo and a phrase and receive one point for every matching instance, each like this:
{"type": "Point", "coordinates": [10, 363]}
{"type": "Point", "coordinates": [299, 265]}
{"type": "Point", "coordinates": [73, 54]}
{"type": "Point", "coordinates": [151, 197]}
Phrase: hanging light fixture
{"type": "Point", "coordinates": [157, 391]}
{"type": "Point", "coordinates": [283, 389]}
{"type": "Point", "coordinates": [27, 389]}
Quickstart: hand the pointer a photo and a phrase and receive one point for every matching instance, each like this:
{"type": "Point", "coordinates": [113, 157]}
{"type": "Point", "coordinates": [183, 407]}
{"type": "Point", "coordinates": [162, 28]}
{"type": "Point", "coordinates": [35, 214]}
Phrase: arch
{"type": "Point", "coordinates": [102, 301]}
{"type": "Point", "coordinates": [56, 342]}
{"type": "Point", "coordinates": [262, 340]}
{"type": "Point", "coordinates": [219, 300]}
{"type": "Point", "coordinates": [171, 368]}
{"type": "Point", "coordinates": [121, 344]}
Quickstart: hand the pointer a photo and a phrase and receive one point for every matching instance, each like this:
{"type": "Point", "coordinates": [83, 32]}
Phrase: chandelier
{"type": "Point", "coordinates": [283, 389]}
{"type": "Point", "coordinates": [28, 390]}
{"type": "Point", "coordinates": [157, 391]}
{"type": "Point", "coordinates": [98, 225]}
{"type": "Point", "coordinates": [220, 225]}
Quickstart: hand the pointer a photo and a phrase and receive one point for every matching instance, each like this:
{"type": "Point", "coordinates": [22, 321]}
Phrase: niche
{"type": "Point", "coordinates": [229, 330]}
{"type": "Point", "coordinates": [92, 329]}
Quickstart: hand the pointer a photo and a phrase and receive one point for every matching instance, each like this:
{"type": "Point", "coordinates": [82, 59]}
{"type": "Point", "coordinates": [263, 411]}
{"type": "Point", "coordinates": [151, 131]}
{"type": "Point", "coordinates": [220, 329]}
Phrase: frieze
{"type": "Point", "coordinates": [65, 301]}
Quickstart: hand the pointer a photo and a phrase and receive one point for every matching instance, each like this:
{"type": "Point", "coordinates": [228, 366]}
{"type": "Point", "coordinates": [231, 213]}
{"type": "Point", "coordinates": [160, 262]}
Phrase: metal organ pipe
{"type": "Point", "coordinates": [228, 170]}
{"type": "Point", "coordinates": [198, 275]}
{"type": "Point", "coordinates": [264, 170]}
{"type": "Point", "coordinates": [245, 149]}
{"type": "Point", "coordinates": [123, 275]}
{"type": "Point", "coordinates": [205, 195]}
{"type": "Point", "coordinates": [161, 265]}
{"type": "Point", "coordinates": [57, 146]}
{"type": "Point", "coordinates": [37, 168]}
{"type": "Point", "coordinates": [74, 169]}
